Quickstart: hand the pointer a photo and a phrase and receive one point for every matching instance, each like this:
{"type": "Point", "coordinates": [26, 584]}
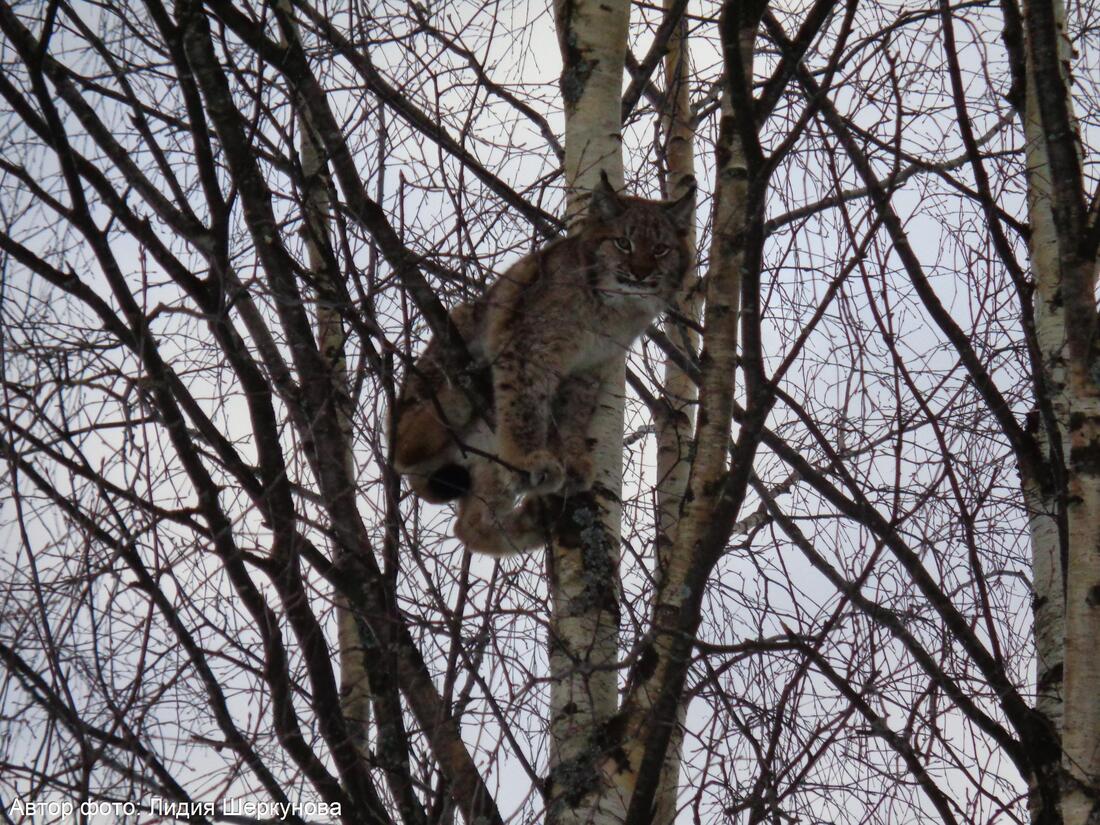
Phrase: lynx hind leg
{"type": "Point", "coordinates": [431, 412]}
{"type": "Point", "coordinates": [488, 519]}
{"type": "Point", "coordinates": [425, 447]}
{"type": "Point", "coordinates": [574, 406]}
{"type": "Point", "coordinates": [437, 485]}
{"type": "Point", "coordinates": [450, 475]}
{"type": "Point", "coordinates": [427, 426]}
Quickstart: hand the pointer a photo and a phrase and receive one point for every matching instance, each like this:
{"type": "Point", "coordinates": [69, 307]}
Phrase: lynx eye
{"type": "Point", "coordinates": [660, 250]}
{"type": "Point", "coordinates": [623, 244]}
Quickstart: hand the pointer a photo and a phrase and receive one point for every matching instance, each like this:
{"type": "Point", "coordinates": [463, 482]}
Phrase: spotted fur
{"type": "Point", "coordinates": [547, 329]}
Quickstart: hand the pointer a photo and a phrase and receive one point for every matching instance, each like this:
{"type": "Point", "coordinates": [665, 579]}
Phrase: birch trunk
{"type": "Point", "coordinates": [1040, 497]}
{"type": "Point", "coordinates": [1081, 718]}
{"type": "Point", "coordinates": [680, 392]}
{"type": "Point", "coordinates": [1064, 265]}
{"type": "Point", "coordinates": [649, 718]}
{"type": "Point", "coordinates": [583, 560]}
{"type": "Point", "coordinates": [1047, 571]}
{"type": "Point", "coordinates": [354, 685]}
{"type": "Point", "coordinates": [709, 467]}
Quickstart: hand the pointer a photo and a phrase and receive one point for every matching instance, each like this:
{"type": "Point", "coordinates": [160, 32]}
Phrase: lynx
{"type": "Point", "coordinates": [546, 330]}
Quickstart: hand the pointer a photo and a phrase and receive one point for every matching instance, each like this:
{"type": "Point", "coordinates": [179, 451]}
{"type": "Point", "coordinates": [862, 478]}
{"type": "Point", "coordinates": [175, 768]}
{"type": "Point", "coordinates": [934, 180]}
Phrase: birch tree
{"type": "Point", "coordinates": [1063, 249]}
{"type": "Point", "coordinates": [317, 232]}
{"type": "Point", "coordinates": [582, 561]}
{"type": "Point", "coordinates": [676, 418]}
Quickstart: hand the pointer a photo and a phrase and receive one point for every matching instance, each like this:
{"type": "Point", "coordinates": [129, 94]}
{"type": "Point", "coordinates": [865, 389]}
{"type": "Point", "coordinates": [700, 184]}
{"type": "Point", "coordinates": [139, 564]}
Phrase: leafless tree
{"type": "Point", "coordinates": [840, 564]}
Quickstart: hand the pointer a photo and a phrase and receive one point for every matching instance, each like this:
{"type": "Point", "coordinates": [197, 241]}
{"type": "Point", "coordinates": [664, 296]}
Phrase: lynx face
{"type": "Point", "coordinates": [639, 247]}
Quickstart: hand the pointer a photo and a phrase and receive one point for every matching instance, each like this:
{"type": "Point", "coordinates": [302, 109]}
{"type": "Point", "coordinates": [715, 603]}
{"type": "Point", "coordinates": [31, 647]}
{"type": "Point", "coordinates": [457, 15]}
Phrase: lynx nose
{"type": "Point", "coordinates": [641, 268]}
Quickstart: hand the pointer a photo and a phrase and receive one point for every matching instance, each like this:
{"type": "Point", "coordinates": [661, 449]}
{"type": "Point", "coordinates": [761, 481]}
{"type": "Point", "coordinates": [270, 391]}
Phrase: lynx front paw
{"type": "Point", "coordinates": [540, 472]}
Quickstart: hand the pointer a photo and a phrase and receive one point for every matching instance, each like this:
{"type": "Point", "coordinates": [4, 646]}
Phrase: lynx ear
{"type": "Point", "coordinates": [680, 211]}
{"type": "Point", "coordinates": [605, 204]}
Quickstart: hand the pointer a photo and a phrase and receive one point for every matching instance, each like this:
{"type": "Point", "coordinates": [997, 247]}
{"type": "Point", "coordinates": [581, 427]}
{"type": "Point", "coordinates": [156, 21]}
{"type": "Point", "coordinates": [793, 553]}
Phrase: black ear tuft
{"type": "Point", "coordinates": [449, 482]}
{"type": "Point", "coordinates": [682, 210]}
{"type": "Point", "coordinates": [605, 204]}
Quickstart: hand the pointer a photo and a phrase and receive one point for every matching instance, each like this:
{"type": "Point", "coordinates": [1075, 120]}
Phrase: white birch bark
{"type": "Point", "coordinates": [675, 429]}
{"type": "Point", "coordinates": [584, 574]}
{"type": "Point", "coordinates": [354, 685]}
{"type": "Point", "coordinates": [1050, 329]}
{"type": "Point", "coordinates": [678, 423]}
{"type": "Point", "coordinates": [711, 443]}
{"type": "Point", "coordinates": [1081, 717]}
{"type": "Point", "coordinates": [1066, 324]}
